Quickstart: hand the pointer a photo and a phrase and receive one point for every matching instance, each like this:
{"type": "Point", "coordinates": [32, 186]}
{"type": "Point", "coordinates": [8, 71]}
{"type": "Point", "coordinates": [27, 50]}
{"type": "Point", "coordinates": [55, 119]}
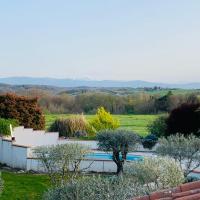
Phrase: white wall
{"type": "Point", "coordinates": [11, 155]}
{"type": "Point", "coordinates": [91, 144]}
{"type": "Point", "coordinates": [28, 137]}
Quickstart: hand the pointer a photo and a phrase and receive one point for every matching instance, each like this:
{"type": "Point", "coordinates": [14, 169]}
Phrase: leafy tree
{"type": "Point", "coordinates": [104, 120]}
{"type": "Point", "coordinates": [59, 160]}
{"type": "Point", "coordinates": [158, 127]}
{"type": "Point", "coordinates": [185, 150]}
{"type": "Point", "coordinates": [184, 119]}
{"type": "Point", "coordinates": [120, 142]}
{"type": "Point", "coordinates": [25, 110]}
{"type": "Point", "coordinates": [162, 104]}
{"type": "Point", "coordinates": [156, 173]}
{"type": "Point", "coordinates": [96, 188]}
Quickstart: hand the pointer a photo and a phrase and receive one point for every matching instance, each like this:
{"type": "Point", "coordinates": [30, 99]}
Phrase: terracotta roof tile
{"type": "Point", "coordinates": [188, 191]}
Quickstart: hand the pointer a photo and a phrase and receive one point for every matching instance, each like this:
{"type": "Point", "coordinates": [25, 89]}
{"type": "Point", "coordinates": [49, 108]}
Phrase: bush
{"type": "Point", "coordinates": [5, 125]}
{"type": "Point", "coordinates": [156, 173]}
{"type": "Point", "coordinates": [185, 150]}
{"type": "Point", "coordinates": [149, 141]}
{"type": "Point", "coordinates": [73, 126]}
{"type": "Point", "coordinates": [104, 120]}
{"type": "Point", "coordinates": [158, 127]}
{"type": "Point", "coordinates": [61, 126]}
{"type": "Point", "coordinates": [96, 188]}
{"type": "Point", "coordinates": [25, 110]}
{"type": "Point", "coordinates": [60, 160]}
{"type": "Point", "coordinates": [184, 119]}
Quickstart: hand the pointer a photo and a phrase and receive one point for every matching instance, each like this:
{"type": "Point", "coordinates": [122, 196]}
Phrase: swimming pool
{"type": "Point", "coordinates": [108, 156]}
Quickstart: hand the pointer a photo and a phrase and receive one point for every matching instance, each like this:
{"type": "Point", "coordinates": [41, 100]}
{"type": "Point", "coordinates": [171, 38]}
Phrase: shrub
{"type": "Point", "coordinates": [104, 120]}
{"type": "Point", "coordinates": [185, 150]}
{"type": "Point", "coordinates": [184, 119]}
{"type": "Point", "coordinates": [61, 126]}
{"type": "Point", "coordinates": [96, 188]}
{"type": "Point", "coordinates": [158, 127]}
{"type": "Point", "coordinates": [149, 141]}
{"type": "Point", "coordinates": [119, 142]}
{"type": "Point", "coordinates": [59, 160]}
{"type": "Point", "coordinates": [25, 110]}
{"type": "Point", "coordinates": [5, 125]}
{"type": "Point", "coordinates": [156, 173]}
{"type": "Point", "coordinates": [73, 126]}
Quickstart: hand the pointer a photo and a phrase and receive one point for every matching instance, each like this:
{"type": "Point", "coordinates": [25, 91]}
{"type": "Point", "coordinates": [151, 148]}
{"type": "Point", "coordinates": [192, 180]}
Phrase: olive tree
{"type": "Point", "coordinates": [155, 173]}
{"type": "Point", "coordinates": [185, 150]}
{"type": "Point", "coordinates": [60, 160]}
{"type": "Point", "coordinates": [96, 188]}
{"type": "Point", "coordinates": [120, 142]}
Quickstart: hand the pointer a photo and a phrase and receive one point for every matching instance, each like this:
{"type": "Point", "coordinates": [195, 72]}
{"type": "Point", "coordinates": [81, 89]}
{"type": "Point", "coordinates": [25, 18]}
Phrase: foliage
{"type": "Point", "coordinates": [184, 119]}
{"type": "Point", "coordinates": [149, 141]}
{"type": "Point", "coordinates": [156, 173]}
{"type": "Point", "coordinates": [61, 126]}
{"type": "Point", "coordinates": [24, 186]}
{"type": "Point", "coordinates": [119, 142]}
{"type": "Point", "coordinates": [5, 125]}
{"type": "Point", "coordinates": [104, 120]}
{"type": "Point", "coordinates": [162, 104]}
{"type": "Point", "coordinates": [136, 123]}
{"type": "Point", "coordinates": [59, 160]}
{"type": "Point", "coordinates": [158, 127]}
{"type": "Point", "coordinates": [185, 150]}
{"type": "Point", "coordinates": [96, 188]}
{"type": "Point", "coordinates": [75, 125]}
{"type": "Point", "coordinates": [25, 110]}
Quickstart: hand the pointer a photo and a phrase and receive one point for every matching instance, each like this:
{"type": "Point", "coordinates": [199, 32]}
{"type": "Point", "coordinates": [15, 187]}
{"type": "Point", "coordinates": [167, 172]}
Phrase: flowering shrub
{"type": "Point", "coordinates": [156, 173]}
{"type": "Point", "coordinates": [185, 150]}
{"type": "Point", "coordinates": [96, 188]}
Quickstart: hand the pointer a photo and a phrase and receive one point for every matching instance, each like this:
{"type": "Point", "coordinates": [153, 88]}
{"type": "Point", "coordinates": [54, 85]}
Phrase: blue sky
{"type": "Point", "coordinates": [150, 40]}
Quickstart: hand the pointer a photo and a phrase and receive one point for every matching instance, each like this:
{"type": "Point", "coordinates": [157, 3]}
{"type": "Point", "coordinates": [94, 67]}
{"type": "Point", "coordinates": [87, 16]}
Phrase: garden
{"type": "Point", "coordinates": [172, 138]}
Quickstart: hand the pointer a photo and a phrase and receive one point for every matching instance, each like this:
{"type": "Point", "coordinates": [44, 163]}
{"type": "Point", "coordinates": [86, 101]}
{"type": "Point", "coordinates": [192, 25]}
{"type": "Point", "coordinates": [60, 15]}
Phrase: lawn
{"type": "Point", "coordinates": [137, 123]}
{"type": "Point", "coordinates": [23, 186]}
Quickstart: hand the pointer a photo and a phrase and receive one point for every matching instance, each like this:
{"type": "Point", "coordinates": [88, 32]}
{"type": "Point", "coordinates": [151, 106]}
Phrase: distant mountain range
{"type": "Point", "coordinates": [92, 83]}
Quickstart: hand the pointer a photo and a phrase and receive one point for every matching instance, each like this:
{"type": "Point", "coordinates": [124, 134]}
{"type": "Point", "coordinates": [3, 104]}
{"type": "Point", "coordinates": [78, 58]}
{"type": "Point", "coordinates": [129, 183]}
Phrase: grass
{"type": "Point", "coordinates": [24, 186]}
{"type": "Point", "coordinates": [137, 123]}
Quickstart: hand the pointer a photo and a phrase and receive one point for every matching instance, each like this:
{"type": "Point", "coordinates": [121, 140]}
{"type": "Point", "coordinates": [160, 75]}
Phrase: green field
{"type": "Point", "coordinates": [23, 186]}
{"type": "Point", "coordinates": [137, 123]}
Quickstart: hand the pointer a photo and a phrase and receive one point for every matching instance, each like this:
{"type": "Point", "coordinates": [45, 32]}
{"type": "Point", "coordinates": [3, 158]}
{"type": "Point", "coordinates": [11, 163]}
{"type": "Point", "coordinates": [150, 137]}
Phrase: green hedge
{"type": "Point", "coordinates": [5, 125]}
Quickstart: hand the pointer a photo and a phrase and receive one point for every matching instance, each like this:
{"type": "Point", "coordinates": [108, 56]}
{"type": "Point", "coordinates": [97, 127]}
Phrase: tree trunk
{"type": "Point", "coordinates": [119, 168]}
{"type": "Point", "coordinates": [118, 162]}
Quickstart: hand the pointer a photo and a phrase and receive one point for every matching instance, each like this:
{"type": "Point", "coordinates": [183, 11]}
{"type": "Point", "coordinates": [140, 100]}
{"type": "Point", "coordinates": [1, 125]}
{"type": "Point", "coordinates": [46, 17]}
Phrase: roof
{"type": "Point", "coordinates": [188, 191]}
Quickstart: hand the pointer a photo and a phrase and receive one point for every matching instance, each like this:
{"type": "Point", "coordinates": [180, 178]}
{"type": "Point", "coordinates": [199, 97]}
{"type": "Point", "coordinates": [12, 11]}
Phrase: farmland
{"type": "Point", "coordinates": [137, 123]}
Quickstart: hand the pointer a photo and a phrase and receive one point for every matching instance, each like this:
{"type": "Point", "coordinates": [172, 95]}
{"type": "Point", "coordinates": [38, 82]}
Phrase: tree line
{"type": "Point", "coordinates": [89, 102]}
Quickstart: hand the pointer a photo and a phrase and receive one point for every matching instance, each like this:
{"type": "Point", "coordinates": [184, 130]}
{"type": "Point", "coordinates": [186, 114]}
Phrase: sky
{"type": "Point", "coordinates": [149, 40]}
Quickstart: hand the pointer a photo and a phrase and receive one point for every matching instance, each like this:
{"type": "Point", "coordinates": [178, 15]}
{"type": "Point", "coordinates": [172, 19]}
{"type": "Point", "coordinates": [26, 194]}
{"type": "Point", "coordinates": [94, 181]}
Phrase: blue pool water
{"type": "Point", "coordinates": [108, 156]}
